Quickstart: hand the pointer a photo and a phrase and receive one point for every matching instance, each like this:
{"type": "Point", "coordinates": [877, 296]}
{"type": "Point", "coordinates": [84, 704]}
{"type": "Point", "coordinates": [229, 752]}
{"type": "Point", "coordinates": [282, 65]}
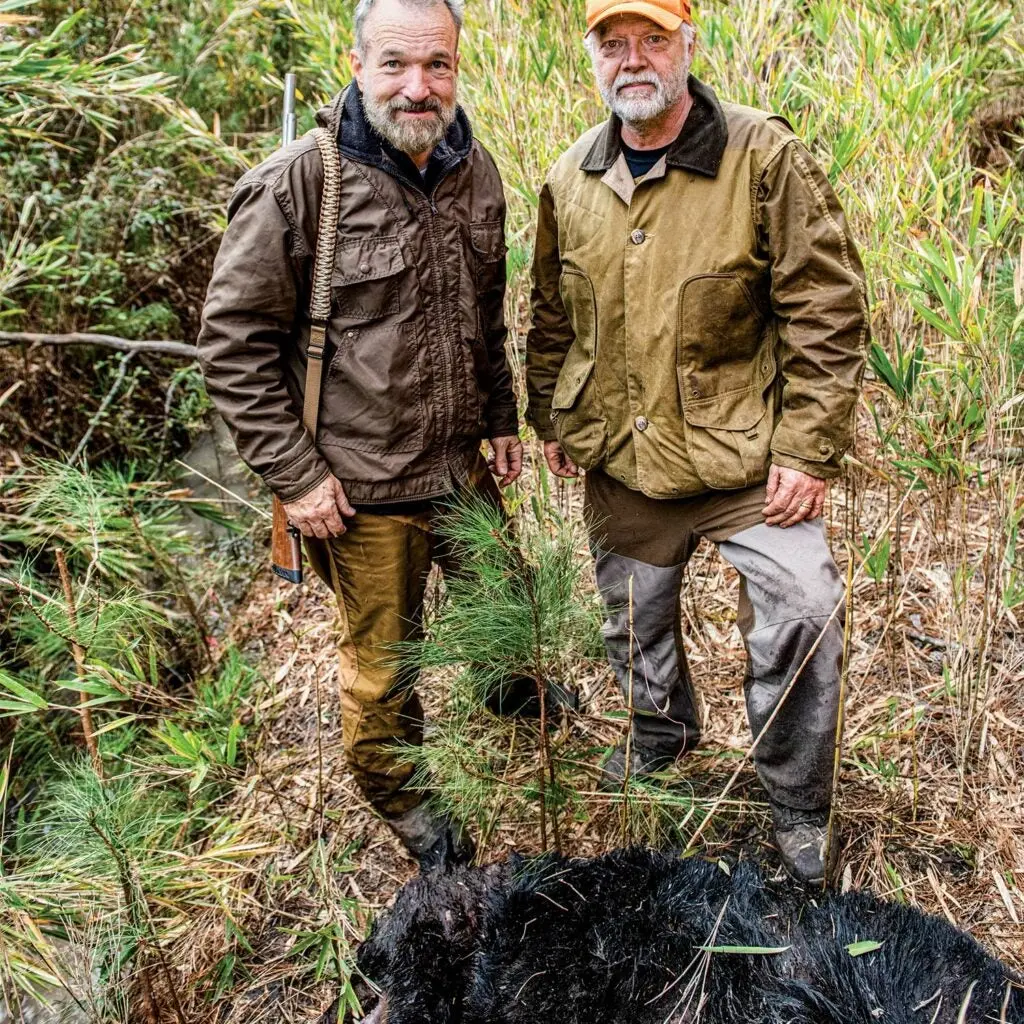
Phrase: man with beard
{"type": "Point", "coordinates": [699, 328]}
{"type": "Point", "coordinates": [416, 373]}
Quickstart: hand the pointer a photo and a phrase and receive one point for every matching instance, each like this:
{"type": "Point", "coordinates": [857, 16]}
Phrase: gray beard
{"type": "Point", "coordinates": [412, 137]}
{"type": "Point", "coordinates": [641, 111]}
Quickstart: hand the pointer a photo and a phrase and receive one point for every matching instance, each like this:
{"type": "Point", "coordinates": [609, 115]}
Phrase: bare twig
{"type": "Point", "coordinates": [97, 417]}
{"type": "Point", "coordinates": [166, 348]}
{"type": "Point", "coordinates": [220, 487]}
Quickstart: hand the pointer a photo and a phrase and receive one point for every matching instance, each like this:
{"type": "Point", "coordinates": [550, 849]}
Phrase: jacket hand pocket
{"type": "Point", "coordinates": [728, 436]}
{"type": "Point", "coordinates": [577, 413]}
{"type": "Point", "coordinates": [365, 282]}
{"type": "Point", "coordinates": [372, 396]}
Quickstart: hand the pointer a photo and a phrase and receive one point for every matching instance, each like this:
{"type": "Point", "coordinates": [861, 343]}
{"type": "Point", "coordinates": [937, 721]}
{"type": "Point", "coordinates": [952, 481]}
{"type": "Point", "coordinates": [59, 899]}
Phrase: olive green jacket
{"type": "Point", "coordinates": [692, 328]}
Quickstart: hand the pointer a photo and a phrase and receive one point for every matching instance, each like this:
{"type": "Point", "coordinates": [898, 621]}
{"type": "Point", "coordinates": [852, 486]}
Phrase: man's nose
{"type": "Point", "coordinates": [635, 60]}
{"type": "Point", "coordinates": [415, 88]}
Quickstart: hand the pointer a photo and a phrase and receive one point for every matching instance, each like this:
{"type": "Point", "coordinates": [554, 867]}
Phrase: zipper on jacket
{"type": "Point", "coordinates": [445, 349]}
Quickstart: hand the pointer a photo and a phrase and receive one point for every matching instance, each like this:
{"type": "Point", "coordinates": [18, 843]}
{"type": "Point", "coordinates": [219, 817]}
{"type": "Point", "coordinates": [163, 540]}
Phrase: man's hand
{"type": "Point", "coordinates": [506, 458]}
{"type": "Point", "coordinates": [318, 514]}
{"type": "Point", "coordinates": [792, 496]}
{"type": "Point", "coordinates": [558, 462]}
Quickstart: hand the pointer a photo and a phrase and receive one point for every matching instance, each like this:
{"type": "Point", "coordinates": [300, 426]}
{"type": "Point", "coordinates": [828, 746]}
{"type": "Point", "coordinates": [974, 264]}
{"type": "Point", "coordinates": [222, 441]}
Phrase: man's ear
{"type": "Point", "coordinates": [356, 61]}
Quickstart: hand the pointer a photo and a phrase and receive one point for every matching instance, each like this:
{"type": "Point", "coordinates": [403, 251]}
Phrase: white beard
{"type": "Point", "coordinates": [641, 110]}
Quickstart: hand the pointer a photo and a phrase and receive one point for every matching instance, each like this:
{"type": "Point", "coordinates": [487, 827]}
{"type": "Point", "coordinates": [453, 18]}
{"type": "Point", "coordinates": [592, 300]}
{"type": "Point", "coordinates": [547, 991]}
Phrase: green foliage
{"type": "Point", "coordinates": [142, 845]}
{"type": "Point", "coordinates": [515, 606]}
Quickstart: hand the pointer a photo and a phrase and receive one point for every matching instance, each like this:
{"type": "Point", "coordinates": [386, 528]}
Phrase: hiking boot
{"type": "Point", "coordinates": [803, 841]}
{"type": "Point", "coordinates": [516, 697]}
{"type": "Point", "coordinates": [642, 762]}
{"type": "Point", "coordinates": [437, 841]}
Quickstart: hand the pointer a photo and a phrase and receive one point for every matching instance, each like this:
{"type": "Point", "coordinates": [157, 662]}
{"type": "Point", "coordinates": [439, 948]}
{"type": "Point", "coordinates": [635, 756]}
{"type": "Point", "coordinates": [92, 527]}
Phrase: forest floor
{"type": "Point", "coordinates": [916, 822]}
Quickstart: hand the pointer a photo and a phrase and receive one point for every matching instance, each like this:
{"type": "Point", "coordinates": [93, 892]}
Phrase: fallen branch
{"type": "Point", "coordinates": [167, 348]}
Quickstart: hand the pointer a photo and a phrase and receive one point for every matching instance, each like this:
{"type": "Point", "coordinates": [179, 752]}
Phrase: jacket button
{"type": "Point", "coordinates": [640, 423]}
{"type": "Point", "coordinates": [695, 391]}
{"type": "Point", "coordinates": [364, 268]}
{"type": "Point", "coordinates": [825, 449]}
{"type": "Point", "coordinates": [637, 237]}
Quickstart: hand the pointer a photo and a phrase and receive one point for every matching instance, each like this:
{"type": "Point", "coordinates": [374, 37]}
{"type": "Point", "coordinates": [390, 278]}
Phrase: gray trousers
{"type": "Point", "coordinates": [790, 615]}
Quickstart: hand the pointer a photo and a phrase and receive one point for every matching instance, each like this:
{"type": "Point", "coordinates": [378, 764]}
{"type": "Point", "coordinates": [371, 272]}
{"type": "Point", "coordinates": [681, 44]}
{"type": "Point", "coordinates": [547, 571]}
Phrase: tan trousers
{"type": "Point", "coordinates": [378, 571]}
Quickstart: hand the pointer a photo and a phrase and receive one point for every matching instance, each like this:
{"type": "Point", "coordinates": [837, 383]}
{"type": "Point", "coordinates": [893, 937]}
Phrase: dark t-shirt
{"type": "Point", "coordinates": [640, 161]}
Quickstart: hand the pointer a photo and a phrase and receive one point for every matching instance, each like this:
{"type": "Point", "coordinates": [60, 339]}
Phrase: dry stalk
{"type": "Point", "coordinates": [844, 679]}
{"type": "Point", "coordinates": [132, 906]}
{"type": "Point", "coordinates": [84, 711]}
{"type": "Point", "coordinates": [546, 771]}
{"type": "Point", "coordinates": [629, 726]}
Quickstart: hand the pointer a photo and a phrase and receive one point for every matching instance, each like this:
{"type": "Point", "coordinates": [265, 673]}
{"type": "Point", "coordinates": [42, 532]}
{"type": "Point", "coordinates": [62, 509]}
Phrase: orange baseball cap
{"type": "Point", "coordinates": [669, 14]}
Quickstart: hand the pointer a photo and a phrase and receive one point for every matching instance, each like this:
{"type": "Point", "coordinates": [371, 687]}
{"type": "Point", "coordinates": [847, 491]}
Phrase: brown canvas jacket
{"type": "Point", "coordinates": [415, 372]}
{"type": "Point", "coordinates": [693, 328]}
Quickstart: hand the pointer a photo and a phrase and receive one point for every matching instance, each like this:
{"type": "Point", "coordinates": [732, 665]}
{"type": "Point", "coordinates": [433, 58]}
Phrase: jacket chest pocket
{"type": "Point", "coordinates": [487, 244]}
{"type": "Point", "coordinates": [366, 282]}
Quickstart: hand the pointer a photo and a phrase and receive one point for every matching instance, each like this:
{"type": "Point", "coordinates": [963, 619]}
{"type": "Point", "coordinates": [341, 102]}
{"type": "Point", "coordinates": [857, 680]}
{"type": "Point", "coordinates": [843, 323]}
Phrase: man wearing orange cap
{"type": "Point", "coordinates": [698, 339]}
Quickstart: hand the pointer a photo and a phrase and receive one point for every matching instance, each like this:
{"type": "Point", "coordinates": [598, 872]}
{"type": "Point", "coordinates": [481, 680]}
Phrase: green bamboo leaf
{"type": "Point", "coordinates": [749, 950]}
{"type": "Point", "coordinates": [27, 696]}
{"type": "Point", "coordinates": [13, 708]}
{"type": "Point", "coordinates": [935, 320]}
{"type": "Point", "coordinates": [862, 947]}
{"type": "Point", "coordinates": [882, 367]}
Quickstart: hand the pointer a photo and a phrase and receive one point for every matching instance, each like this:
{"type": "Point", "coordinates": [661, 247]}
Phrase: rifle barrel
{"type": "Point", "coordinates": [288, 129]}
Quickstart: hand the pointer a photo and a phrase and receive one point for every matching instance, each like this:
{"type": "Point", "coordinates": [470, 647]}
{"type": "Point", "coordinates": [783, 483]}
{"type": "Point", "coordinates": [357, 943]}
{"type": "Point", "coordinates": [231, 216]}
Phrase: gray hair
{"type": "Point", "coordinates": [456, 8]}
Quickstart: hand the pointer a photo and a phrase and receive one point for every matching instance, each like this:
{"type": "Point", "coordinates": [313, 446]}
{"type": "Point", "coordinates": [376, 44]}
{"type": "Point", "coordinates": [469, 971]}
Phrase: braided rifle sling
{"type": "Point", "coordinates": [323, 268]}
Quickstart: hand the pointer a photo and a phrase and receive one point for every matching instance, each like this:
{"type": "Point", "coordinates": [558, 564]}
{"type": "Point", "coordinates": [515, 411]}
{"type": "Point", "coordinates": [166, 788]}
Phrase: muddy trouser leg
{"type": "Point", "coordinates": [665, 714]}
{"type": "Point", "coordinates": [378, 570]}
{"type": "Point", "coordinates": [789, 595]}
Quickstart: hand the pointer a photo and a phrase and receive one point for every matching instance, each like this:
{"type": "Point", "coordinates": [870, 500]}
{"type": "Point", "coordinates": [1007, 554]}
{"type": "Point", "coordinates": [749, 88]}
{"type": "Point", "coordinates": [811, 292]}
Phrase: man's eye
{"type": "Point", "coordinates": [439, 65]}
{"type": "Point", "coordinates": [392, 65]}
{"type": "Point", "coordinates": [657, 40]}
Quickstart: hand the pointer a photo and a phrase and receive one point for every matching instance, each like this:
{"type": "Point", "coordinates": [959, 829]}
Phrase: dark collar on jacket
{"type": "Point", "coordinates": [698, 147]}
{"type": "Point", "coordinates": [346, 117]}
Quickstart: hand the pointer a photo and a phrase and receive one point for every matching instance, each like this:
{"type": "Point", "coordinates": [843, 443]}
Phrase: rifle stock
{"type": "Point", "coordinates": [285, 545]}
{"type": "Point", "coordinates": [285, 540]}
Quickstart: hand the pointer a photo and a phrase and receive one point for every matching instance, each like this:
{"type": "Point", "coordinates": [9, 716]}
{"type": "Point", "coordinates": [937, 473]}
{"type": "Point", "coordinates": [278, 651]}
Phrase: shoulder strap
{"type": "Point", "coordinates": [323, 269]}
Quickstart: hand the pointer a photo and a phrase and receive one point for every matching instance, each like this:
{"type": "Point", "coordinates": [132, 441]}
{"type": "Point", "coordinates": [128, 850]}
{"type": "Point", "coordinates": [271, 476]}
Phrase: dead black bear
{"type": "Point", "coordinates": [647, 938]}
